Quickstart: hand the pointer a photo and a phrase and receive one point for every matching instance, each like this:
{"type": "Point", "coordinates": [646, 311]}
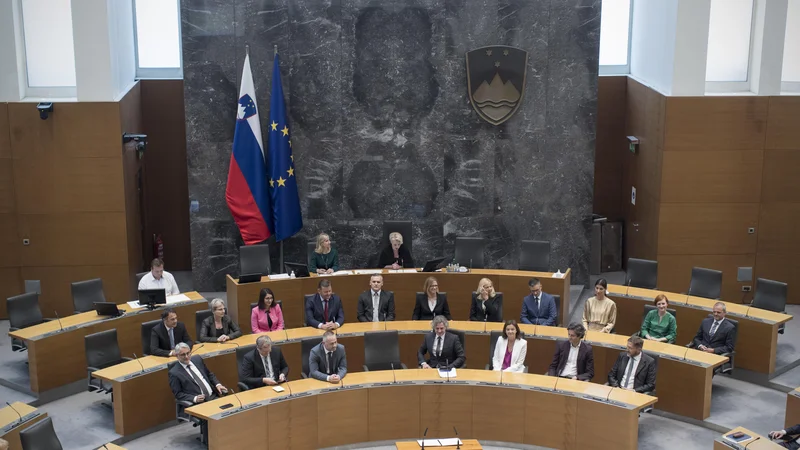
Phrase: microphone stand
{"type": "Point", "coordinates": [136, 358]}
{"type": "Point", "coordinates": [394, 377]}
{"type": "Point", "coordinates": [59, 320]}
{"type": "Point", "coordinates": [423, 438]}
{"type": "Point", "coordinates": [15, 410]}
{"type": "Point", "coordinates": [458, 441]}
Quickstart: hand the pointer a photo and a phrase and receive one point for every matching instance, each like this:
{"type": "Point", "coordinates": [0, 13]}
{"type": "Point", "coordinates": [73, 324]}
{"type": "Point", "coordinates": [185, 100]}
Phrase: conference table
{"type": "Point", "coordinates": [11, 423]}
{"type": "Point", "coordinates": [143, 399]}
{"type": "Point", "coordinates": [754, 442]}
{"type": "Point", "coordinates": [393, 405]}
{"type": "Point", "coordinates": [405, 283]}
{"type": "Point", "coordinates": [757, 341]}
{"type": "Point", "coordinates": [792, 408]}
{"type": "Point", "coordinates": [466, 444]}
{"type": "Point", "coordinates": [56, 350]}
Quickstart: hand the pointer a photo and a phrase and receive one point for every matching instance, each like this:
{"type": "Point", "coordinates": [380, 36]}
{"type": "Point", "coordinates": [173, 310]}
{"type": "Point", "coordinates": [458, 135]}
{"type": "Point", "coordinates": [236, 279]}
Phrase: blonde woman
{"type": "Point", "coordinates": [487, 305]}
{"type": "Point", "coordinates": [395, 255]}
{"type": "Point", "coordinates": [325, 258]}
{"type": "Point", "coordinates": [431, 302]}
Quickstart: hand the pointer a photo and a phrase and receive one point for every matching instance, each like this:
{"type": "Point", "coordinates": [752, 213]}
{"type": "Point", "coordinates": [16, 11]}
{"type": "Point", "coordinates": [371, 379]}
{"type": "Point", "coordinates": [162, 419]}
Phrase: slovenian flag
{"type": "Point", "coordinates": [246, 193]}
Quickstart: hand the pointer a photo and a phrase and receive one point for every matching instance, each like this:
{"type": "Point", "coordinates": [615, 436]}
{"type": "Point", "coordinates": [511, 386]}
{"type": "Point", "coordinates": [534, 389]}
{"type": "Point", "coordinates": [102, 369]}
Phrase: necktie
{"type": "Point", "coordinates": [438, 346]}
{"type": "Point", "coordinates": [266, 366]}
{"type": "Point", "coordinates": [198, 381]}
{"type": "Point", "coordinates": [628, 375]}
{"type": "Point", "coordinates": [171, 339]}
{"type": "Point", "coordinates": [328, 357]}
{"type": "Point", "coordinates": [325, 313]}
{"type": "Point", "coordinates": [714, 328]}
{"type": "Point", "coordinates": [376, 303]}
{"type": "Point", "coordinates": [536, 303]}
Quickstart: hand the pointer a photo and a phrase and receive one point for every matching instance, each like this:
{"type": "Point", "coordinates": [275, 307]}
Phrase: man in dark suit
{"type": "Point", "coordinates": [375, 304]}
{"type": "Point", "coordinates": [324, 310]}
{"type": "Point", "coordinates": [263, 366]}
{"type": "Point", "coordinates": [634, 370]}
{"type": "Point", "coordinates": [166, 335]}
{"type": "Point", "coordinates": [573, 358]}
{"type": "Point", "coordinates": [788, 435]}
{"type": "Point", "coordinates": [444, 348]}
{"type": "Point", "coordinates": [191, 380]}
{"type": "Point", "coordinates": [328, 361]}
{"type": "Point", "coordinates": [538, 308]}
{"type": "Point", "coordinates": [716, 335]}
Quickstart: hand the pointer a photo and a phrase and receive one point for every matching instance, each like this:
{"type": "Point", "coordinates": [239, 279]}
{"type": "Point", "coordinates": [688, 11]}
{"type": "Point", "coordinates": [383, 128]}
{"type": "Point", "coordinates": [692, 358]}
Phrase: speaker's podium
{"type": "Point", "coordinates": [466, 444]}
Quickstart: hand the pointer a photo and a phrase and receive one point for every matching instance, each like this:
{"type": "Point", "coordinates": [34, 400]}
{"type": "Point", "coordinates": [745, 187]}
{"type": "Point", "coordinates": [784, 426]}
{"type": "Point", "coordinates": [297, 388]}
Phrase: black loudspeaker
{"type": "Point", "coordinates": [611, 254]}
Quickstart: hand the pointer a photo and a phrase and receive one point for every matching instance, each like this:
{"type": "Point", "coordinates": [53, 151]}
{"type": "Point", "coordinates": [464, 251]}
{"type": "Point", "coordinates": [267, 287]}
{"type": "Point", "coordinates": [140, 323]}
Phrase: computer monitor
{"type": "Point", "coordinates": [249, 278]}
{"type": "Point", "coordinates": [152, 297]}
{"type": "Point", "coordinates": [107, 309]}
{"type": "Point", "coordinates": [300, 270]}
{"type": "Point", "coordinates": [433, 264]}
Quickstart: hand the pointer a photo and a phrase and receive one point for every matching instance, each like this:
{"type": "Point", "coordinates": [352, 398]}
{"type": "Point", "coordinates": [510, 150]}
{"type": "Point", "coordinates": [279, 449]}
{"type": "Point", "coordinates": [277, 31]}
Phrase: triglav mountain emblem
{"type": "Point", "coordinates": [496, 81]}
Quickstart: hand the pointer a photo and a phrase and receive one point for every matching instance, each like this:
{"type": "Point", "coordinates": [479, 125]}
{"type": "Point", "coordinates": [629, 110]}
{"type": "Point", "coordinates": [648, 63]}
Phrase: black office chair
{"type": "Point", "coordinates": [33, 286]}
{"type": "Point", "coordinates": [139, 277]}
{"type": "Point", "coordinates": [382, 351]}
{"type": "Point", "coordinates": [655, 357]}
{"type": "Point", "coordinates": [102, 350]}
{"type": "Point", "coordinates": [404, 227]}
{"type": "Point", "coordinates": [86, 293]}
{"type": "Point", "coordinates": [254, 259]}
{"type": "Point", "coordinates": [469, 252]}
{"type": "Point", "coordinates": [642, 273]}
{"type": "Point", "coordinates": [493, 337]}
{"type": "Point", "coordinates": [23, 311]}
{"type": "Point", "coordinates": [240, 352]}
{"type": "Point", "coordinates": [199, 317]}
{"type": "Point", "coordinates": [706, 283]}
{"type": "Point", "coordinates": [731, 364]}
{"type": "Point", "coordinates": [534, 256]}
{"type": "Point", "coordinates": [771, 295]}
{"type": "Point", "coordinates": [182, 417]}
{"type": "Point", "coordinates": [305, 350]}
{"type": "Point", "coordinates": [463, 338]}
{"type": "Point", "coordinates": [147, 330]}
{"type": "Point", "coordinates": [41, 436]}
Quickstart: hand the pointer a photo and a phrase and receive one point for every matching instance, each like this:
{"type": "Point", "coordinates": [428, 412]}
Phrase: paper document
{"type": "Point", "coordinates": [404, 271]}
{"type": "Point", "coordinates": [177, 298]}
{"type": "Point", "coordinates": [366, 271]}
{"type": "Point", "coordinates": [279, 276]}
{"type": "Point", "coordinates": [134, 304]}
{"type": "Point", "coordinates": [342, 272]}
{"type": "Point", "coordinates": [429, 442]}
{"type": "Point", "coordinates": [278, 389]}
{"type": "Point", "coordinates": [451, 441]}
{"type": "Point", "coordinates": [445, 374]}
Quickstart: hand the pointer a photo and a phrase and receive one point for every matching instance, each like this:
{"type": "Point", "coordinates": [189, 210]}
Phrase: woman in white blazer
{"type": "Point", "coordinates": [510, 350]}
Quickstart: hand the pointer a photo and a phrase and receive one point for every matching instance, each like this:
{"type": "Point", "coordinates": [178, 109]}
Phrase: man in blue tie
{"type": "Point", "coordinates": [167, 334]}
{"type": "Point", "coordinates": [538, 308]}
{"type": "Point", "coordinates": [716, 335]}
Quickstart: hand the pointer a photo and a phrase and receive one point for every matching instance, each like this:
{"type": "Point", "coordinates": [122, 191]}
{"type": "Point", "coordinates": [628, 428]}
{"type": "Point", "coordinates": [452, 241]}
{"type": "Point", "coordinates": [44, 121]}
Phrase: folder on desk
{"type": "Point", "coordinates": [741, 438]}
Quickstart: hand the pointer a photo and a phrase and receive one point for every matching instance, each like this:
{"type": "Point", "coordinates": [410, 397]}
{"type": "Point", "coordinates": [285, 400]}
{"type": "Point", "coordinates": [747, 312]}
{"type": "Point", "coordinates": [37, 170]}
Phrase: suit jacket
{"type": "Point", "coordinates": [159, 338]}
{"type": "Point", "coordinates": [315, 310]}
{"type": "Point", "coordinates": [645, 378]}
{"type": "Point", "coordinates": [518, 354]}
{"type": "Point", "coordinates": [494, 309]}
{"type": "Point", "coordinates": [790, 438]}
{"type": "Point", "coordinates": [318, 367]}
{"type": "Point", "coordinates": [208, 329]}
{"type": "Point", "coordinates": [252, 371]}
{"type": "Point", "coordinates": [259, 322]}
{"type": "Point", "coordinates": [723, 339]}
{"type": "Point", "coordinates": [183, 385]}
{"type": "Point", "coordinates": [385, 306]}
{"type": "Point", "coordinates": [422, 311]}
{"type": "Point", "coordinates": [585, 360]}
{"type": "Point", "coordinates": [386, 258]}
{"type": "Point", "coordinates": [546, 314]}
{"type": "Point", "coordinates": [452, 351]}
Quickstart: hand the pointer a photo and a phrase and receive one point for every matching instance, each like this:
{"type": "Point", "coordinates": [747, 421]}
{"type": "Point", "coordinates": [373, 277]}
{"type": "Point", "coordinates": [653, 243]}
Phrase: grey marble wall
{"type": "Point", "coordinates": [382, 127]}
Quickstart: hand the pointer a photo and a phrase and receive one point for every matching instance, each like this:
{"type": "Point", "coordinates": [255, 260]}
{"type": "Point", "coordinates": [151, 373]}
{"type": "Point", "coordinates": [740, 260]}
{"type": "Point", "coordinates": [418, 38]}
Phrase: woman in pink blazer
{"type": "Point", "coordinates": [267, 315]}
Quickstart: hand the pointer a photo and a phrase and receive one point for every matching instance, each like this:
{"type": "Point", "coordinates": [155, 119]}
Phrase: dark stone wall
{"type": "Point", "coordinates": [382, 127]}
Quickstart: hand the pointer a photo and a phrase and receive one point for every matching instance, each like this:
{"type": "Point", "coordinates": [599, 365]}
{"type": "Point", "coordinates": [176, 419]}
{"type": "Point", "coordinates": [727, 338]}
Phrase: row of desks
{"type": "Point", "coordinates": [391, 405]}
{"type": "Point", "coordinates": [142, 398]}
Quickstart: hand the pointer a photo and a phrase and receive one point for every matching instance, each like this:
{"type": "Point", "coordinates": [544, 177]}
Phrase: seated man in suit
{"type": "Point", "coordinates": [634, 370]}
{"type": "Point", "coordinates": [788, 435]}
{"type": "Point", "coordinates": [263, 366]}
{"type": "Point", "coordinates": [191, 380]}
{"type": "Point", "coordinates": [716, 335]}
{"type": "Point", "coordinates": [375, 305]}
{"type": "Point", "coordinates": [328, 361]}
{"type": "Point", "coordinates": [166, 335]}
{"type": "Point", "coordinates": [538, 308]}
{"type": "Point", "coordinates": [573, 358]}
{"type": "Point", "coordinates": [444, 348]}
{"type": "Point", "coordinates": [325, 310]}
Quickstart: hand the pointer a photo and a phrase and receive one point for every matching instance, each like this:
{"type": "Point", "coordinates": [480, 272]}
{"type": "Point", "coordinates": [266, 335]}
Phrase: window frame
{"type": "Point", "coordinates": [722, 87]}
{"type": "Point", "coordinates": [157, 73]}
{"type": "Point", "coordinates": [619, 69]}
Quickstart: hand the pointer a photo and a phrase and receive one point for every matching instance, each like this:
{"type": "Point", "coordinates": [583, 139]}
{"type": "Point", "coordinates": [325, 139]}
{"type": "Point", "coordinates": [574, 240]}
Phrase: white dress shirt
{"type": "Point", "coordinates": [633, 367]}
{"type": "Point", "coordinates": [166, 282]}
{"type": "Point", "coordinates": [571, 367]}
{"type": "Point", "coordinates": [432, 304]}
{"type": "Point", "coordinates": [192, 368]}
{"type": "Point", "coordinates": [376, 304]}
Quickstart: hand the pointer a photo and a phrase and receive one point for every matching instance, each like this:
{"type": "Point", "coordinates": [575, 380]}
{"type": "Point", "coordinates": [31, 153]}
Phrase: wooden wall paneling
{"type": "Point", "coordinates": [707, 228]}
{"type": "Point", "coordinates": [782, 129]}
{"type": "Point", "coordinates": [779, 183]}
{"type": "Point", "coordinates": [715, 123]}
{"type": "Point", "coordinates": [712, 176]}
{"type": "Point", "coordinates": [10, 285]}
{"type": "Point", "coordinates": [780, 267]}
{"type": "Point", "coordinates": [131, 121]}
{"type": "Point", "coordinates": [778, 228]}
{"type": "Point", "coordinates": [9, 241]}
{"type": "Point", "coordinates": [293, 424]}
{"type": "Point", "coordinates": [5, 134]}
{"type": "Point", "coordinates": [642, 241]}
{"type": "Point", "coordinates": [610, 145]}
{"type": "Point", "coordinates": [444, 407]}
{"type": "Point", "coordinates": [393, 413]}
{"type": "Point", "coordinates": [56, 294]}
{"type": "Point", "coordinates": [550, 420]}
{"type": "Point", "coordinates": [675, 272]}
{"type": "Point", "coordinates": [490, 425]}
{"type": "Point", "coordinates": [7, 201]}
{"type": "Point", "coordinates": [344, 417]}
{"type": "Point", "coordinates": [645, 120]}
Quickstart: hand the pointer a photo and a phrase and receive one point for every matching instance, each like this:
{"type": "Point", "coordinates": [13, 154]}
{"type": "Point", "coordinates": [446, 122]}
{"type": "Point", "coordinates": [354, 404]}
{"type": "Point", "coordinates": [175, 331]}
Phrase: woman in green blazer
{"type": "Point", "coordinates": [659, 324]}
{"type": "Point", "coordinates": [325, 258]}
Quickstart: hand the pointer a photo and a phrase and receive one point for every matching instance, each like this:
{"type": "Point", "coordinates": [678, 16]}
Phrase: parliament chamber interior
{"type": "Point", "coordinates": [405, 224]}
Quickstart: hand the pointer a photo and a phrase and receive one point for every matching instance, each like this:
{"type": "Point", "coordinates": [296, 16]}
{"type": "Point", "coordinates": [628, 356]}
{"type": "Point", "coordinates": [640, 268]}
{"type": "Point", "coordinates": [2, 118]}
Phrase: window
{"type": "Point", "coordinates": [791, 48]}
{"type": "Point", "coordinates": [615, 27]}
{"type": "Point", "coordinates": [729, 35]}
{"type": "Point", "coordinates": [158, 39]}
{"type": "Point", "coordinates": [49, 50]}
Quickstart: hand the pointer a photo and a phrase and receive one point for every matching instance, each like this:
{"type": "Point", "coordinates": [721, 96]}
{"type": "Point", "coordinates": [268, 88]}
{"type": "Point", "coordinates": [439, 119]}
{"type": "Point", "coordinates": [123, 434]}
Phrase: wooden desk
{"type": "Point", "coordinates": [459, 287]}
{"type": "Point", "coordinates": [57, 357]}
{"type": "Point", "coordinates": [466, 444]}
{"type": "Point", "coordinates": [571, 415]}
{"type": "Point", "coordinates": [10, 425]}
{"type": "Point", "coordinates": [756, 442]}
{"type": "Point", "coordinates": [111, 446]}
{"type": "Point", "coordinates": [792, 408]}
{"type": "Point", "coordinates": [757, 342]}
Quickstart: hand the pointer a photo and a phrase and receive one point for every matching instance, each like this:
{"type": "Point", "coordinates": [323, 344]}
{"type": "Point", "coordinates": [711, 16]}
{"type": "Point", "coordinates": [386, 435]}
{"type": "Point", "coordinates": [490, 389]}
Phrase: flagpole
{"type": "Point", "coordinates": [247, 49]}
{"type": "Point", "coordinates": [281, 259]}
{"type": "Point", "coordinates": [276, 49]}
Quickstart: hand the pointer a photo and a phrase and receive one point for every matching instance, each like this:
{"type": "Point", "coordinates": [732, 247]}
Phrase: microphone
{"type": "Point", "coordinates": [237, 399]}
{"type": "Point", "coordinates": [501, 374]}
{"type": "Point", "coordinates": [394, 377]}
{"type": "Point", "coordinates": [229, 343]}
{"type": "Point", "coordinates": [59, 320]}
{"type": "Point", "coordinates": [20, 415]}
{"type": "Point", "coordinates": [458, 441]}
{"type": "Point", "coordinates": [194, 349]}
{"type": "Point", "coordinates": [447, 368]}
{"type": "Point", "coordinates": [470, 265]}
{"type": "Point", "coordinates": [423, 438]}
{"type": "Point", "coordinates": [341, 383]}
{"type": "Point", "coordinates": [136, 358]}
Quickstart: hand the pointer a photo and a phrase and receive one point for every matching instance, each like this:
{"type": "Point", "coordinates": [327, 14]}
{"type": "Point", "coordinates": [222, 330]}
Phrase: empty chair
{"type": "Point", "coordinates": [469, 251]}
{"type": "Point", "coordinates": [23, 311]}
{"type": "Point", "coordinates": [382, 351]}
{"type": "Point", "coordinates": [493, 337]}
{"type": "Point", "coordinates": [41, 436]}
{"type": "Point", "coordinates": [463, 339]}
{"type": "Point", "coordinates": [240, 352]}
{"type": "Point", "coordinates": [139, 277]}
{"type": "Point", "coordinates": [33, 286]}
{"type": "Point", "coordinates": [642, 273]}
{"type": "Point", "coordinates": [305, 349]}
{"type": "Point", "coordinates": [102, 350]}
{"type": "Point", "coordinates": [86, 293]}
{"type": "Point", "coordinates": [147, 330]}
{"type": "Point", "coordinates": [706, 283]}
{"type": "Point", "coordinates": [771, 295]}
{"type": "Point", "coordinates": [534, 256]}
{"type": "Point", "coordinates": [199, 317]}
{"type": "Point", "coordinates": [254, 259]}
{"type": "Point", "coordinates": [400, 226]}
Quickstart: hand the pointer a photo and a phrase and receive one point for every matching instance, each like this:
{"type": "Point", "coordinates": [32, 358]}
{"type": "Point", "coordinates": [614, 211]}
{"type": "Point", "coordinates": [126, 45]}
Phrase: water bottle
{"type": "Point", "coordinates": [292, 275]}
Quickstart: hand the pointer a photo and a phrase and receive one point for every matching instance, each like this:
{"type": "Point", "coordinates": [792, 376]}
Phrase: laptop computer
{"type": "Point", "coordinates": [249, 278]}
{"type": "Point", "coordinates": [433, 264]}
{"type": "Point", "coordinates": [107, 309]}
{"type": "Point", "coordinates": [152, 297]}
{"type": "Point", "coordinates": [300, 270]}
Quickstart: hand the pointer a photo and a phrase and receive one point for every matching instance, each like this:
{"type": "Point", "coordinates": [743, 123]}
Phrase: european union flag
{"type": "Point", "coordinates": [286, 219]}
